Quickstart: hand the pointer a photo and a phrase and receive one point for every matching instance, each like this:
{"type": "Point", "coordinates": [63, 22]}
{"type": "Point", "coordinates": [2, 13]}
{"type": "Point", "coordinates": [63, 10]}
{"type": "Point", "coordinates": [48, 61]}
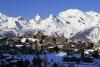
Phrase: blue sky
{"type": "Point", "coordinates": [29, 8]}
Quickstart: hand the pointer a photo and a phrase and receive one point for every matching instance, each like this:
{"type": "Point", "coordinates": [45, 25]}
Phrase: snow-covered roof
{"type": "Point", "coordinates": [23, 40]}
{"type": "Point", "coordinates": [31, 39]}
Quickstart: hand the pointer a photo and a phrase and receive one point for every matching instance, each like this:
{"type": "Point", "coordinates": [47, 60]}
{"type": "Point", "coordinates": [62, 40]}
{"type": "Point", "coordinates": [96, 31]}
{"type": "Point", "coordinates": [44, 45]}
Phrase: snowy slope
{"type": "Point", "coordinates": [73, 24]}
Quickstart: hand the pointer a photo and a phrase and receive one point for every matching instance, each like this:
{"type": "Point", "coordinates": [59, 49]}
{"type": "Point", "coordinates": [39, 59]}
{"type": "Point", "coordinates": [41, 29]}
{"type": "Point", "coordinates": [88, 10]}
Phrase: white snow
{"type": "Point", "coordinates": [68, 23]}
{"type": "Point", "coordinates": [56, 57]}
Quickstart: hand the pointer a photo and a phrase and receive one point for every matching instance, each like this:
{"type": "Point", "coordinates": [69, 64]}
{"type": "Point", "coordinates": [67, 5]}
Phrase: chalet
{"type": "Point", "coordinates": [97, 47]}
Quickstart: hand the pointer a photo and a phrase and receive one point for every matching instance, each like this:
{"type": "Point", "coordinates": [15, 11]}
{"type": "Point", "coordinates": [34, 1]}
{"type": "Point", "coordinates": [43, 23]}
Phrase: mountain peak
{"type": "Point", "coordinates": [76, 10]}
{"type": "Point", "coordinates": [37, 18]}
{"type": "Point", "coordinates": [20, 18]}
{"type": "Point", "coordinates": [51, 16]}
{"type": "Point", "coordinates": [1, 14]}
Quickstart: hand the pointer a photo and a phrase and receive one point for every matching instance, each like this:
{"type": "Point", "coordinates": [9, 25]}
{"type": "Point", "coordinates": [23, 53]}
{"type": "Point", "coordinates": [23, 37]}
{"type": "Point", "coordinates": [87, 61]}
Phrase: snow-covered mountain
{"type": "Point", "coordinates": [73, 24]}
